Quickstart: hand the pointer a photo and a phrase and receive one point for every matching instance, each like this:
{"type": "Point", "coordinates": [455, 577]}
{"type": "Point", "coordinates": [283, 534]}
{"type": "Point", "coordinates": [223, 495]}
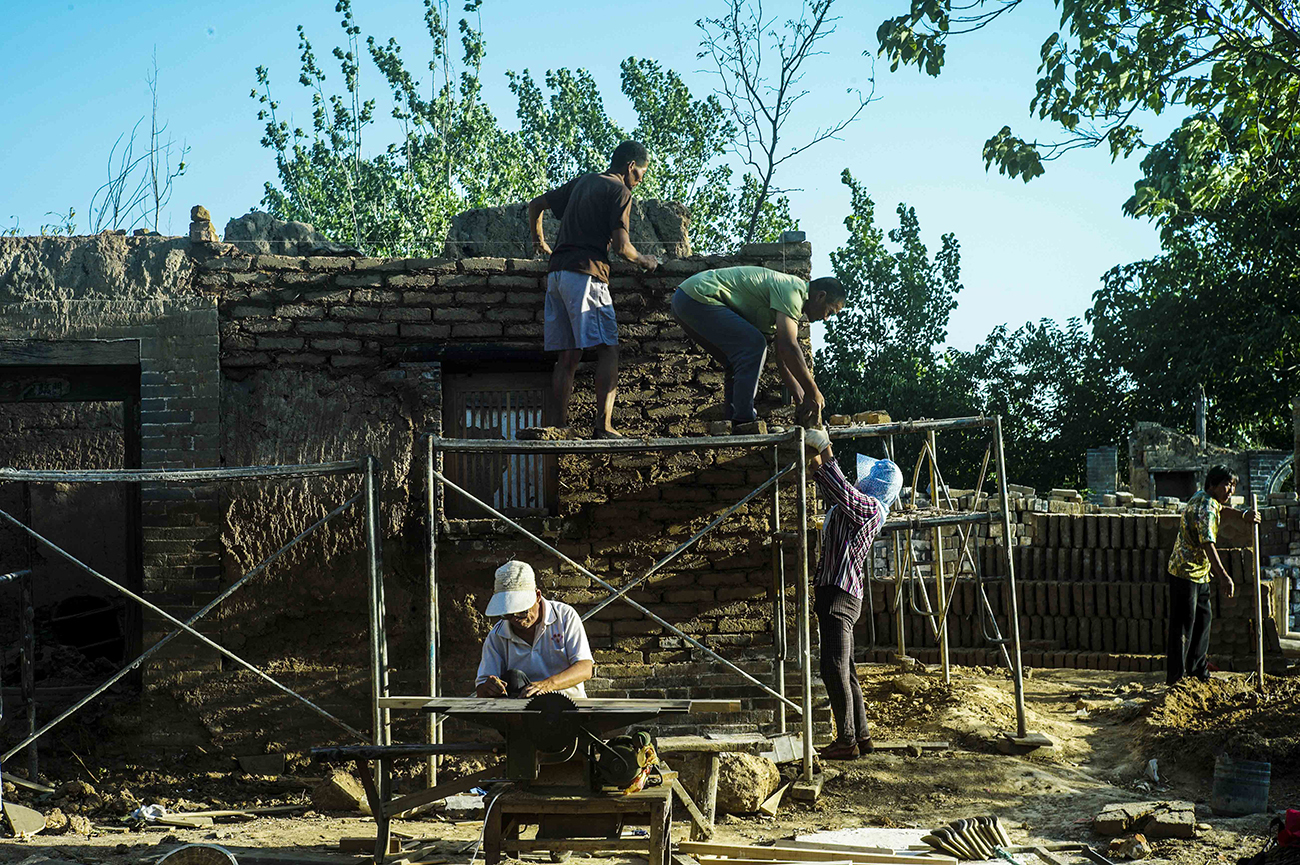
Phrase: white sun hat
{"type": "Point", "coordinates": [514, 591]}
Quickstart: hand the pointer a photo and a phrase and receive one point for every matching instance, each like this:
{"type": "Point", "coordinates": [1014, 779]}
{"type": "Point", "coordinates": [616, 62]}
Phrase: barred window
{"type": "Point", "coordinates": [497, 405]}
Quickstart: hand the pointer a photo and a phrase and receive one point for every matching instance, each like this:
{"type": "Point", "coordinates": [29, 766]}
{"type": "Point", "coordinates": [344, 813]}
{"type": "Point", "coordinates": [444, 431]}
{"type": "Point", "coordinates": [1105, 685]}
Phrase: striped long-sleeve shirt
{"type": "Point", "coordinates": [853, 520]}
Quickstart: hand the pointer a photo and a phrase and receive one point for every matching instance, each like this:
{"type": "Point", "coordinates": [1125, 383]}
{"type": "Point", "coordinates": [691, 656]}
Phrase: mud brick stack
{"type": "Point", "coordinates": [1091, 588]}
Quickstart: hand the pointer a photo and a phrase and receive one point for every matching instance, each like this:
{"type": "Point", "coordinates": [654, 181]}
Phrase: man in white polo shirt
{"type": "Point", "coordinates": [537, 646]}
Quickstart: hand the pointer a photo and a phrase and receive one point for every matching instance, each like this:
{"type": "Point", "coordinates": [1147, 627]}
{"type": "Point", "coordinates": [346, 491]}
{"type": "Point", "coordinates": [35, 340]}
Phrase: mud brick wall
{"type": "Point", "coordinates": [329, 358]}
{"type": "Point", "coordinates": [1091, 589]}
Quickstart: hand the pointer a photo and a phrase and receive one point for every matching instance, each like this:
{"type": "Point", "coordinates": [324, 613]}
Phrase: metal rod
{"type": "Point", "coordinates": [27, 613]}
{"type": "Point", "coordinates": [941, 587]}
{"type": "Point", "coordinates": [641, 608]}
{"type": "Point", "coordinates": [685, 545]}
{"type": "Point", "coordinates": [374, 568]}
{"type": "Point", "coordinates": [804, 611]}
{"type": "Point", "coordinates": [515, 446]}
{"type": "Point", "coordinates": [144, 656]}
{"type": "Point", "coordinates": [106, 476]}
{"type": "Point", "coordinates": [838, 433]}
{"type": "Point", "coordinates": [1259, 600]}
{"type": "Point", "coordinates": [1013, 612]}
{"type": "Point", "coordinates": [778, 594]}
{"type": "Point", "coordinates": [905, 522]}
{"type": "Point", "coordinates": [433, 731]}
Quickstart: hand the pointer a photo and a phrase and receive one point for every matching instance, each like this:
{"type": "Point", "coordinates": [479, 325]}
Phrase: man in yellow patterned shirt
{"type": "Point", "coordinates": [1194, 559]}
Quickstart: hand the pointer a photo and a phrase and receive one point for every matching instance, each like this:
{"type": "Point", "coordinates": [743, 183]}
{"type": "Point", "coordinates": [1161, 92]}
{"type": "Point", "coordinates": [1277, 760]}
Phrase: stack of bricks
{"type": "Point", "coordinates": [1091, 587]}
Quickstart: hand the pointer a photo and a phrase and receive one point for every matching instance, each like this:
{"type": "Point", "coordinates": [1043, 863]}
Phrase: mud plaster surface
{"type": "Point", "coordinates": [1048, 795]}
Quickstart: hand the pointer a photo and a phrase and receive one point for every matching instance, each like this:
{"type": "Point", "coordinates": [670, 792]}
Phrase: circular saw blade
{"type": "Point", "coordinates": [556, 728]}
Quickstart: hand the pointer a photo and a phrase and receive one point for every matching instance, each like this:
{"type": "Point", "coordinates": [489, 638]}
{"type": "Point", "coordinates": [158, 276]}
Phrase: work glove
{"type": "Point", "coordinates": [816, 440]}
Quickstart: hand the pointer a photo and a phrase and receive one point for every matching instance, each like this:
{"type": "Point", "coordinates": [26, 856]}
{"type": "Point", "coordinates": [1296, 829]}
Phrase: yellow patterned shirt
{"type": "Point", "coordinates": [1198, 524]}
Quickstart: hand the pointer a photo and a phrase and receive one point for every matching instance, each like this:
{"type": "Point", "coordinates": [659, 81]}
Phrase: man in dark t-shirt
{"type": "Point", "coordinates": [593, 210]}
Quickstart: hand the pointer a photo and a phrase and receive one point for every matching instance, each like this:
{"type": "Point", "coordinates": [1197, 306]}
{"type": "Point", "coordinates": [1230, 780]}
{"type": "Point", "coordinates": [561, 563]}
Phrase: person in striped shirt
{"type": "Point", "coordinates": [854, 516]}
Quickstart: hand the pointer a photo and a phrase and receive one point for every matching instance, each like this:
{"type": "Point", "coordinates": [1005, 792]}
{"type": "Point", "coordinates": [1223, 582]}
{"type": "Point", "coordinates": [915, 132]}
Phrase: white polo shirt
{"type": "Point", "coordinates": [559, 643]}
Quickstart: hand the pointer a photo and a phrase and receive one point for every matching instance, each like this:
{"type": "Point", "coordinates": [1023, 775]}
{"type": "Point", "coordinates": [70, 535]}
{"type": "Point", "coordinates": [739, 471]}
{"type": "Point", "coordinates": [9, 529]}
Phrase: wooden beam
{"type": "Point", "coordinates": [506, 706]}
{"type": "Point", "coordinates": [702, 825]}
{"type": "Point", "coordinates": [770, 854]}
{"type": "Point", "coordinates": [71, 352]}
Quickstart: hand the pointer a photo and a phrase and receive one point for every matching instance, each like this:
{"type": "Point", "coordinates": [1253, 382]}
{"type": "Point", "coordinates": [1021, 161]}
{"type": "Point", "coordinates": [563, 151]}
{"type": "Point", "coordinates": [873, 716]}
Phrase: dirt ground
{"type": "Point", "coordinates": [1105, 726]}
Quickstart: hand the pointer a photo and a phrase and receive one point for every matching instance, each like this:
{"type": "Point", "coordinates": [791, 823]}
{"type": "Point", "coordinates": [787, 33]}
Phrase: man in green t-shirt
{"type": "Point", "coordinates": [730, 313]}
{"type": "Point", "coordinates": [1194, 559]}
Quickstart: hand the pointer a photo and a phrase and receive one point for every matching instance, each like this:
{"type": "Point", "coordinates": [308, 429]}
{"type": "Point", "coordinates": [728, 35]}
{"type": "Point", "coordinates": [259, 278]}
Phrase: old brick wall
{"type": "Point", "coordinates": [331, 358]}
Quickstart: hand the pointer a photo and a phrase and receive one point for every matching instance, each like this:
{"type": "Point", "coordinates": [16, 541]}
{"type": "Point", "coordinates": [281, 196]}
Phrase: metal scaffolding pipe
{"type": "Point", "coordinates": [602, 446]}
{"type": "Point", "coordinates": [378, 638]}
{"type": "Point", "coordinates": [175, 621]}
{"type": "Point", "coordinates": [779, 631]}
{"type": "Point", "coordinates": [838, 433]}
{"type": "Point", "coordinates": [433, 729]}
{"type": "Point", "coordinates": [611, 588]}
{"type": "Point", "coordinates": [1013, 611]}
{"type": "Point", "coordinates": [685, 545]}
{"type": "Point", "coordinates": [203, 475]}
{"type": "Point", "coordinates": [211, 605]}
{"type": "Point", "coordinates": [805, 612]}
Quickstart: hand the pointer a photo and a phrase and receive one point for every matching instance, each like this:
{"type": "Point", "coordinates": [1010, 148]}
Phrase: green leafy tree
{"type": "Point", "coordinates": [1109, 60]}
{"type": "Point", "coordinates": [452, 154]}
{"type": "Point", "coordinates": [1219, 307]}
{"type": "Point", "coordinates": [882, 350]}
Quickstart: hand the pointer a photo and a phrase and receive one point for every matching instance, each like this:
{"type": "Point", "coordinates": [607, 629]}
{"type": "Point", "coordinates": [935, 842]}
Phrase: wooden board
{"type": "Point", "coordinates": [821, 845]}
{"type": "Point", "coordinates": [23, 820]}
{"type": "Point", "coordinates": [770, 854]}
{"type": "Point", "coordinates": [754, 744]}
{"type": "Point", "coordinates": [722, 860]}
{"type": "Point", "coordinates": [506, 706]}
{"type": "Point", "coordinates": [773, 802]}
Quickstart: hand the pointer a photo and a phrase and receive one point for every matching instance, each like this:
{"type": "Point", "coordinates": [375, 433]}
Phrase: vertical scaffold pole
{"type": "Point", "coordinates": [27, 617]}
{"type": "Point", "coordinates": [434, 729]}
{"type": "Point", "coordinates": [1013, 611]}
{"type": "Point", "coordinates": [937, 542]}
{"type": "Point", "coordinates": [898, 575]}
{"type": "Point", "coordinates": [779, 629]}
{"type": "Point", "coordinates": [805, 635]}
{"type": "Point", "coordinates": [378, 639]}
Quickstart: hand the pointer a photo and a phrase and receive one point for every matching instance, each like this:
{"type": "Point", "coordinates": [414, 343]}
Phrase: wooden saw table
{"type": "Point", "coordinates": [544, 789]}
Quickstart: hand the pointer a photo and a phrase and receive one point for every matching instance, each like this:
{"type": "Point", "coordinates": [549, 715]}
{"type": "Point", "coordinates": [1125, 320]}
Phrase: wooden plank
{"type": "Point", "coordinates": [773, 802]}
{"type": "Point", "coordinates": [903, 746]}
{"type": "Point", "coordinates": [754, 744]}
{"type": "Point", "coordinates": [701, 825]}
{"type": "Point", "coordinates": [825, 845]}
{"type": "Point", "coordinates": [25, 784]}
{"type": "Point", "coordinates": [182, 821]}
{"type": "Point", "coordinates": [367, 845]}
{"type": "Point", "coordinates": [96, 352]}
{"type": "Point", "coordinates": [808, 790]}
{"type": "Point", "coordinates": [576, 844]}
{"type": "Point", "coordinates": [724, 860]}
{"type": "Point", "coordinates": [768, 854]}
{"type": "Point", "coordinates": [397, 806]}
{"type": "Point", "coordinates": [508, 706]}
{"type": "Point", "coordinates": [241, 812]}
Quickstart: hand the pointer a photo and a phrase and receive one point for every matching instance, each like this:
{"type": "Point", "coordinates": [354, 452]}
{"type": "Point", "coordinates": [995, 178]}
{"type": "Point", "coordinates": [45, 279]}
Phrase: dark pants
{"type": "Point", "coordinates": [837, 613]}
{"type": "Point", "coordinates": [732, 342]}
{"type": "Point", "coordinates": [516, 681]}
{"type": "Point", "coordinates": [1189, 629]}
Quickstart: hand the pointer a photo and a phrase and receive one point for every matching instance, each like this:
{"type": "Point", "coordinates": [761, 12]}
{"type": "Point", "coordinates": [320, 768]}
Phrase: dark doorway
{"type": "Point", "coordinates": [68, 418]}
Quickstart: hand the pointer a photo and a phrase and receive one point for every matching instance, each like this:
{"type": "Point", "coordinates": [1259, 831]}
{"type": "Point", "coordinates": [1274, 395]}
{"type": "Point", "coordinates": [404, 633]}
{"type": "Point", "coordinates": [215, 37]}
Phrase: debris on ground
{"type": "Point", "coordinates": [340, 792]}
{"type": "Point", "coordinates": [1153, 819]}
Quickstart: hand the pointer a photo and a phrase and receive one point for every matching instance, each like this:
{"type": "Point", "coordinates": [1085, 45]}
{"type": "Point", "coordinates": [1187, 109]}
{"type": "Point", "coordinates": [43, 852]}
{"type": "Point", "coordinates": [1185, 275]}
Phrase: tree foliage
{"type": "Point", "coordinates": [452, 153]}
{"type": "Point", "coordinates": [760, 67]}
{"type": "Point", "coordinates": [1220, 306]}
{"type": "Point", "coordinates": [1109, 60]}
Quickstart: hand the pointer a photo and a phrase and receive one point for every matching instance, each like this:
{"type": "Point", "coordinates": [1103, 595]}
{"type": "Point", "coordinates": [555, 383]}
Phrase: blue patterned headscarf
{"type": "Point", "coordinates": [880, 479]}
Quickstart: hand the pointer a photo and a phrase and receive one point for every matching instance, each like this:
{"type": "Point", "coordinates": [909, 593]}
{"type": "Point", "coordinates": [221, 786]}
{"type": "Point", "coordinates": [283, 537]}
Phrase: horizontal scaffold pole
{"type": "Point", "coordinates": [602, 446]}
{"type": "Point", "coordinates": [878, 430]}
{"type": "Point", "coordinates": [107, 476]}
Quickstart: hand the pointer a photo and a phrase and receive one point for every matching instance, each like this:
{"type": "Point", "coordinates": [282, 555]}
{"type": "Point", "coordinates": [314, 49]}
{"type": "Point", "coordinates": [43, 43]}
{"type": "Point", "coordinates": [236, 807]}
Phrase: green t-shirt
{"type": "Point", "coordinates": [756, 294]}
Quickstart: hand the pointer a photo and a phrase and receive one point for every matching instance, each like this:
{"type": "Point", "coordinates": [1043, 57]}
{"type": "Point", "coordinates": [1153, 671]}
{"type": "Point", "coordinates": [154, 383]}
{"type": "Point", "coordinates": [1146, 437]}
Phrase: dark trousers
{"type": "Point", "coordinates": [837, 613]}
{"type": "Point", "coordinates": [732, 342]}
{"type": "Point", "coordinates": [1189, 629]}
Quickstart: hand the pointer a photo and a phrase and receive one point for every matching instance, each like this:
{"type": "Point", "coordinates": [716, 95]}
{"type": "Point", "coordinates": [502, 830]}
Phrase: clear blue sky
{"type": "Point", "coordinates": [74, 79]}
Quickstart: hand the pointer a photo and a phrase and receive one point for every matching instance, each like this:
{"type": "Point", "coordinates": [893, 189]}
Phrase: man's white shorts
{"type": "Point", "coordinates": [579, 312]}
